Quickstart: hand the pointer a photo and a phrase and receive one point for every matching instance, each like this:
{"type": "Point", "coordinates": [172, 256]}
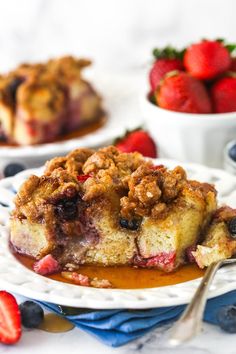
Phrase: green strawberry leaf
{"type": "Point", "coordinates": [168, 53]}
{"type": "Point", "coordinates": [220, 40]}
{"type": "Point", "coordinates": [231, 47]}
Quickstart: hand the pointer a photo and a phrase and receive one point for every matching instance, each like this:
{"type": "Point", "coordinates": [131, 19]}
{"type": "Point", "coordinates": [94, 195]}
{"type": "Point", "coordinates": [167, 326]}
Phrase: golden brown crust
{"type": "Point", "coordinates": [36, 196]}
{"type": "Point", "coordinates": [73, 162]}
{"type": "Point", "coordinates": [67, 67]}
{"type": "Point", "coordinates": [224, 213]}
{"type": "Point", "coordinates": [142, 188]}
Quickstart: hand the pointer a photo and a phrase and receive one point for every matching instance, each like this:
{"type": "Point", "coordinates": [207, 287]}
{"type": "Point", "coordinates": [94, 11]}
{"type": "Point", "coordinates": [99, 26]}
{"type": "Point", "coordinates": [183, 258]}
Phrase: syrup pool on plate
{"type": "Point", "coordinates": [126, 277]}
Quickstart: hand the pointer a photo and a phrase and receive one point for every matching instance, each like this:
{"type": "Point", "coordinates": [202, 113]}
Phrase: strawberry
{"type": "Point", "coordinates": [207, 59]}
{"type": "Point", "coordinates": [223, 94]}
{"type": "Point", "coordinates": [82, 178]}
{"type": "Point", "coordinates": [10, 321]}
{"type": "Point", "coordinates": [77, 278]}
{"type": "Point", "coordinates": [233, 65]}
{"type": "Point", "coordinates": [167, 59]}
{"type": "Point", "coordinates": [46, 265]}
{"type": "Point", "coordinates": [181, 92]}
{"type": "Point", "coordinates": [137, 140]}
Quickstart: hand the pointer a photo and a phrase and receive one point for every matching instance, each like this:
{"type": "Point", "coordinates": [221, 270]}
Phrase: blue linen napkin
{"type": "Point", "coordinates": [118, 327]}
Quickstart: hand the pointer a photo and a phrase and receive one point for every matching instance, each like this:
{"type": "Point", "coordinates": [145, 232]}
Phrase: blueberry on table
{"type": "Point", "coordinates": [232, 152]}
{"type": "Point", "coordinates": [227, 318]}
{"type": "Point", "coordinates": [12, 169]}
{"type": "Point", "coordinates": [31, 314]}
{"type": "Point", "coordinates": [232, 227]}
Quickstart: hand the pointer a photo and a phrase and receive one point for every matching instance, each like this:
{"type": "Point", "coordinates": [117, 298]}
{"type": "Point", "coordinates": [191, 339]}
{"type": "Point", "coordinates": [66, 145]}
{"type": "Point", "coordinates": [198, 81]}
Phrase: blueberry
{"type": "Point", "coordinates": [31, 314]}
{"type": "Point", "coordinates": [132, 224]}
{"type": "Point", "coordinates": [13, 86]}
{"type": "Point", "coordinates": [12, 169]}
{"type": "Point", "coordinates": [67, 210]}
{"type": "Point", "coordinates": [232, 152]}
{"type": "Point", "coordinates": [227, 318]}
{"type": "Point", "coordinates": [232, 227]}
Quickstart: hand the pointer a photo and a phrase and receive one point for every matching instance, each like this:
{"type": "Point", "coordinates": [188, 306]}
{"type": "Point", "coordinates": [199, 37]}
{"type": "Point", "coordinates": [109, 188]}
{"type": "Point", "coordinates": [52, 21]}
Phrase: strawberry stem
{"type": "Point", "coordinates": [168, 53]}
{"type": "Point", "coordinates": [127, 132]}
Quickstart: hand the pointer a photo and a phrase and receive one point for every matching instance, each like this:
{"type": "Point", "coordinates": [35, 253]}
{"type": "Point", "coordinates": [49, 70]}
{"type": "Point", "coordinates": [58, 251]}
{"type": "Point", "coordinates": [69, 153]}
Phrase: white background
{"type": "Point", "coordinates": [117, 34]}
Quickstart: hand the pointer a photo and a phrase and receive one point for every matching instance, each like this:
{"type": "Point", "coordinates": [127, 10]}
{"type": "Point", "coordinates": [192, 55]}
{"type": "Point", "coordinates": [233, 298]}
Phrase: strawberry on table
{"type": "Point", "coordinates": [207, 59]}
{"type": "Point", "coordinates": [167, 59]}
{"type": "Point", "coordinates": [10, 321]}
{"type": "Point", "coordinates": [181, 92]}
{"type": "Point", "coordinates": [223, 94]}
{"type": "Point", "coordinates": [137, 140]}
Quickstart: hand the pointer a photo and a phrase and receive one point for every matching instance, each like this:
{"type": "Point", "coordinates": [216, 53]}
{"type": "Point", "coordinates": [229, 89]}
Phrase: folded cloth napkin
{"type": "Point", "coordinates": [118, 327]}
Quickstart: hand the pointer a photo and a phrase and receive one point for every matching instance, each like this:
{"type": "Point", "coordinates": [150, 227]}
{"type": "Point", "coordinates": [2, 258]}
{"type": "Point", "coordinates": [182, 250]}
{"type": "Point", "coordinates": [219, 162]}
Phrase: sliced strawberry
{"type": "Point", "coordinates": [77, 278]}
{"type": "Point", "coordinates": [164, 260]}
{"type": "Point", "coordinates": [82, 178]}
{"type": "Point", "coordinates": [10, 322]}
{"type": "Point", "coordinates": [138, 140]}
{"type": "Point", "coordinates": [47, 265]}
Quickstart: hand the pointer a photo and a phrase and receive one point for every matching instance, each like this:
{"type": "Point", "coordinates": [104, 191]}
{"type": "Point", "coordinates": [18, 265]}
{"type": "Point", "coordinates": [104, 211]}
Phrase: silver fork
{"type": "Point", "coordinates": [190, 323]}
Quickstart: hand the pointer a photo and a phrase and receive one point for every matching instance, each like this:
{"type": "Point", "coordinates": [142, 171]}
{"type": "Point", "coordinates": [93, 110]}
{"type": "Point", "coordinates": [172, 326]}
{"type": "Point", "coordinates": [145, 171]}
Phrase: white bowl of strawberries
{"type": "Point", "coordinates": [190, 104]}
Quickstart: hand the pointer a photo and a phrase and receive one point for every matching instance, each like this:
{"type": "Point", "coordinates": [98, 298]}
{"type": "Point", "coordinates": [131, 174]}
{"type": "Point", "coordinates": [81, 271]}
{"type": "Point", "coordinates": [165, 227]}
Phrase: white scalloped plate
{"type": "Point", "coordinates": [119, 95]}
{"type": "Point", "coordinates": [17, 278]}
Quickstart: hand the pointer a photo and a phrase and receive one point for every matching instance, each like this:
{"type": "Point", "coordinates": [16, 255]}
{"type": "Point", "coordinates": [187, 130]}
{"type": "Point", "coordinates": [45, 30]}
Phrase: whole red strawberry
{"type": "Point", "coordinates": [138, 140]}
{"type": "Point", "coordinates": [10, 321]}
{"type": "Point", "coordinates": [207, 59]}
{"type": "Point", "coordinates": [223, 94]}
{"type": "Point", "coordinates": [167, 59]}
{"type": "Point", "coordinates": [181, 92]}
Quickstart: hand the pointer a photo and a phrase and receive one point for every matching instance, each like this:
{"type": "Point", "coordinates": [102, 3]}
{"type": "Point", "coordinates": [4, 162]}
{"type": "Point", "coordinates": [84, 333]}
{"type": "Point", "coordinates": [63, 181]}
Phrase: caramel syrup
{"type": "Point", "coordinates": [55, 324]}
{"type": "Point", "coordinates": [127, 277]}
{"type": "Point", "coordinates": [84, 130]}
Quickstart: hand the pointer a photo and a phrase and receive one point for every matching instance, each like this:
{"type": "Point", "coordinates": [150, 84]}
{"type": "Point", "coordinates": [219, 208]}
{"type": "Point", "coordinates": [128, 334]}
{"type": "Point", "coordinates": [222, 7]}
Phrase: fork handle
{"type": "Point", "coordinates": [190, 323]}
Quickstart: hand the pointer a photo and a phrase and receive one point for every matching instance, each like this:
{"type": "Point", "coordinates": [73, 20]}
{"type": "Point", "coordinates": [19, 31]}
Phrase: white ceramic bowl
{"type": "Point", "coordinates": [186, 137]}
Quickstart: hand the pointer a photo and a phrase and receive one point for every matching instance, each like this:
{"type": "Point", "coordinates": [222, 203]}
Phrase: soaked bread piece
{"type": "Point", "coordinates": [110, 208]}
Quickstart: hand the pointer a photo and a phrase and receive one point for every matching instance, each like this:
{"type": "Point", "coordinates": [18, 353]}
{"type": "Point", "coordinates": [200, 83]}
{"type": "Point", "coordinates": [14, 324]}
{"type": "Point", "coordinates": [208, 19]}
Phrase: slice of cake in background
{"type": "Point", "coordinates": [41, 102]}
{"type": "Point", "coordinates": [110, 208]}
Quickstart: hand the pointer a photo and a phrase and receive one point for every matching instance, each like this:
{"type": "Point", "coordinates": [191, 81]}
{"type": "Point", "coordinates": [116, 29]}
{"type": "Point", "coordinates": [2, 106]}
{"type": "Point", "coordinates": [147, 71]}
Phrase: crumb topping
{"type": "Point", "coordinates": [141, 188]}
{"type": "Point", "coordinates": [224, 214]}
{"type": "Point", "coordinates": [150, 190]}
{"type": "Point", "coordinates": [38, 195]}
